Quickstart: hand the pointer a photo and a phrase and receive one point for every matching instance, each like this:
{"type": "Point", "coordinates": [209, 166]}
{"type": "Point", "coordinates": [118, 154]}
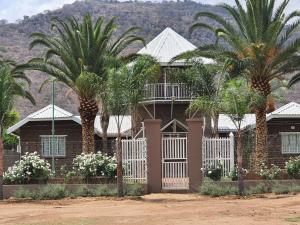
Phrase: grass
{"type": "Point", "coordinates": [293, 219]}
{"type": "Point", "coordinates": [216, 190]}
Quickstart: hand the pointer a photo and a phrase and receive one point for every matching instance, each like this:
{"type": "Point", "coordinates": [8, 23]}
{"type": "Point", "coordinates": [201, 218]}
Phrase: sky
{"type": "Point", "coordinates": [13, 10]}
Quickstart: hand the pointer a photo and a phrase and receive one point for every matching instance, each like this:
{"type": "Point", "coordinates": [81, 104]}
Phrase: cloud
{"type": "Point", "coordinates": [13, 10]}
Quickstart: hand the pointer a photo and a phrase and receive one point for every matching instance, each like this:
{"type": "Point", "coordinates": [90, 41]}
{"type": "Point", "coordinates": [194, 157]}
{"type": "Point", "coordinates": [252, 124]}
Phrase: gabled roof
{"type": "Point", "coordinates": [167, 45]}
{"type": "Point", "coordinates": [226, 124]}
{"type": "Point", "coordinates": [290, 110]}
{"type": "Point", "coordinates": [45, 114]}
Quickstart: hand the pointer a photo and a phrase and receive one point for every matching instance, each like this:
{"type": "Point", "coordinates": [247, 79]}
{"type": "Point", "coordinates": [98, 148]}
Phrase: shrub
{"type": "Point", "coordinates": [67, 174]}
{"type": "Point", "coordinates": [214, 173]}
{"type": "Point", "coordinates": [134, 190]}
{"type": "Point", "coordinates": [30, 168]}
{"type": "Point", "coordinates": [95, 164]}
{"type": "Point", "coordinates": [52, 191]}
{"type": "Point", "coordinates": [215, 189]}
{"type": "Point", "coordinates": [293, 167]}
{"type": "Point", "coordinates": [23, 193]}
{"type": "Point", "coordinates": [82, 191]}
{"type": "Point", "coordinates": [269, 173]}
{"type": "Point", "coordinates": [105, 190]}
{"type": "Point", "coordinates": [259, 189]}
{"type": "Point", "coordinates": [234, 173]}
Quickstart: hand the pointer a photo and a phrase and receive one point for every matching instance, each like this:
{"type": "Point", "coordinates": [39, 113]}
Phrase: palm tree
{"type": "Point", "coordinates": [262, 46]}
{"type": "Point", "coordinates": [82, 47]}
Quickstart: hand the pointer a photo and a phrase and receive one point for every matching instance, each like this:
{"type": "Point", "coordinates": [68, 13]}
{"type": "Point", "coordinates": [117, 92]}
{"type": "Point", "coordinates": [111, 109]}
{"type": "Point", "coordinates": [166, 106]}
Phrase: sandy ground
{"type": "Point", "coordinates": [158, 209]}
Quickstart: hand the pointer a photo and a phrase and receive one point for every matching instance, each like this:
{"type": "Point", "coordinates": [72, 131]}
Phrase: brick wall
{"type": "Point", "coordinates": [275, 126]}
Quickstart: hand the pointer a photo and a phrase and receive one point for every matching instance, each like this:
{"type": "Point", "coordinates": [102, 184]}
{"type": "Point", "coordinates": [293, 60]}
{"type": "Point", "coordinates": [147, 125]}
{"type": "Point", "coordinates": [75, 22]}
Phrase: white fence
{"type": "Point", "coordinates": [174, 163]}
{"type": "Point", "coordinates": [167, 91]}
{"type": "Point", "coordinates": [134, 154]}
{"type": "Point", "coordinates": [218, 151]}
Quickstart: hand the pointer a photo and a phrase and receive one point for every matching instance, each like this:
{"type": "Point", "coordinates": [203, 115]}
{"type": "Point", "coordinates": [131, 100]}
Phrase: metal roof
{"type": "Point", "coordinates": [45, 114]}
{"type": "Point", "coordinates": [167, 45]}
{"type": "Point", "coordinates": [290, 110]}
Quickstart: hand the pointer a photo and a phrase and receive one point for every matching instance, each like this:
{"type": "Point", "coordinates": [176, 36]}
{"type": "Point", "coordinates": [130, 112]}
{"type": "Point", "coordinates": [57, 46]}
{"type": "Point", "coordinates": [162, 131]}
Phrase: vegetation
{"type": "Point", "coordinates": [80, 55]}
{"type": "Point", "coordinates": [95, 164]}
{"type": "Point", "coordinates": [30, 168]}
{"type": "Point", "coordinates": [216, 189]}
{"type": "Point", "coordinates": [261, 49]}
{"type": "Point", "coordinates": [58, 191]}
{"type": "Point", "coordinates": [214, 173]}
{"type": "Point", "coordinates": [269, 173]}
{"type": "Point", "coordinates": [292, 167]}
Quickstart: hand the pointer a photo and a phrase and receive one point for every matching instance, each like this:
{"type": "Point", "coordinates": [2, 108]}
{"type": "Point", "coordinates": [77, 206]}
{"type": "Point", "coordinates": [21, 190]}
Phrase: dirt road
{"type": "Point", "coordinates": [158, 209]}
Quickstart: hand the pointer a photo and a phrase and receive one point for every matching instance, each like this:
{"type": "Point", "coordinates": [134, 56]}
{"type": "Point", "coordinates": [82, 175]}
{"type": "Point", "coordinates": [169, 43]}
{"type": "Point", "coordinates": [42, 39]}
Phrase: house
{"type": "Point", "coordinates": [283, 132]}
{"type": "Point", "coordinates": [35, 134]}
{"type": "Point", "coordinates": [166, 100]}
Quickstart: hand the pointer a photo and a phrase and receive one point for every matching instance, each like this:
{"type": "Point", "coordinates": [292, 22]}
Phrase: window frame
{"type": "Point", "coordinates": [289, 151]}
{"type": "Point", "coordinates": [55, 155]}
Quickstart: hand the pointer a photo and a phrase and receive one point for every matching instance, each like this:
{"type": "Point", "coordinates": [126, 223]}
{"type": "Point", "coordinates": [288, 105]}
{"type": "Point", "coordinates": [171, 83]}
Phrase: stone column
{"type": "Point", "coordinates": [194, 152]}
{"type": "Point", "coordinates": [153, 135]}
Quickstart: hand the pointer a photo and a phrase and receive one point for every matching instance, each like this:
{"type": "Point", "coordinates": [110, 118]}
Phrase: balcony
{"type": "Point", "coordinates": [165, 92]}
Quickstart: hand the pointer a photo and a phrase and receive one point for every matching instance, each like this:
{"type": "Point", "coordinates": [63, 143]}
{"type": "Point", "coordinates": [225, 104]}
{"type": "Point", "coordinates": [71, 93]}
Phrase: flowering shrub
{"type": "Point", "coordinates": [95, 164]}
{"type": "Point", "coordinates": [269, 173]}
{"type": "Point", "coordinates": [31, 167]}
{"type": "Point", "coordinates": [234, 173]}
{"type": "Point", "coordinates": [214, 173]}
{"type": "Point", "coordinates": [293, 167]}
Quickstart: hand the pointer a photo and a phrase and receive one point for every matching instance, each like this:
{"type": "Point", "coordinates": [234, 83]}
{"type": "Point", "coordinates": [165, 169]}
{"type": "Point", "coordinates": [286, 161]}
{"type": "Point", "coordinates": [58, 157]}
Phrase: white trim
{"type": "Point", "coordinates": [290, 149]}
{"type": "Point", "coordinates": [55, 136]}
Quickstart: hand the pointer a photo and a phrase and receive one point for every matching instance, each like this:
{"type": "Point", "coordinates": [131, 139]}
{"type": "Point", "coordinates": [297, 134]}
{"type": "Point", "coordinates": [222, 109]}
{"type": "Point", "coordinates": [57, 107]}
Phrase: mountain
{"type": "Point", "coordinates": [151, 17]}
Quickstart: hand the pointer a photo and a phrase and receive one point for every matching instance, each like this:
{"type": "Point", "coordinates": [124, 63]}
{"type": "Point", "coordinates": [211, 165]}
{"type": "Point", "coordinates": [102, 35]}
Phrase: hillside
{"type": "Point", "coordinates": [151, 17]}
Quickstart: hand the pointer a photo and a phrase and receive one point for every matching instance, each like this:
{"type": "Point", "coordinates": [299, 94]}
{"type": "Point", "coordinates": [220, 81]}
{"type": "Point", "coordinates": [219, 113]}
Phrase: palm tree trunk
{"type": "Point", "coordinates": [216, 125]}
{"type": "Point", "coordinates": [240, 163]}
{"type": "Point", "coordinates": [207, 125]}
{"type": "Point", "coordinates": [88, 110]}
{"type": "Point", "coordinates": [104, 126]}
{"type": "Point", "coordinates": [119, 164]}
{"type": "Point", "coordinates": [261, 153]}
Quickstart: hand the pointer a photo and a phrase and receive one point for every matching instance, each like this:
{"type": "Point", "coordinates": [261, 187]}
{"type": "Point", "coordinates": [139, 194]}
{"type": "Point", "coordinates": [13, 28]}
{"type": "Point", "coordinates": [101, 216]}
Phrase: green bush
{"type": "Point", "coordinates": [134, 189]}
{"type": "Point", "coordinates": [23, 193]}
{"type": "Point", "coordinates": [30, 168]}
{"type": "Point", "coordinates": [215, 189]}
{"type": "Point", "coordinates": [293, 167]}
{"type": "Point", "coordinates": [214, 173]}
{"type": "Point", "coordinates": [52, 191]}
{"type": "Point", "coordinates": [82, 191]}
{"type": "Point", "coordinates": [105, 190]}
{"type": "Point", "coordinates": [269, 173]}
{"type": "Point", "coordinates": [259, 189]}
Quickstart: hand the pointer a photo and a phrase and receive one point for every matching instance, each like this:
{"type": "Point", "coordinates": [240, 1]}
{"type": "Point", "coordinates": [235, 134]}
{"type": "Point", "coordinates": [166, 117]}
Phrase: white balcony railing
{"type": "Point", "coordinates": [167, 91]}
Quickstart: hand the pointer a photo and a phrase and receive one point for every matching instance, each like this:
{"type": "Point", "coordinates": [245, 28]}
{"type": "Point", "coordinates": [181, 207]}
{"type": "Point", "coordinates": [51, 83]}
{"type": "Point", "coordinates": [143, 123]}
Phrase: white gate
{"type": "Point", "coordinates": [134, 156]}
{"type": "Point", "coordinates": [174, 163]}
{"type": "Point", "coordinates": [218, 151]}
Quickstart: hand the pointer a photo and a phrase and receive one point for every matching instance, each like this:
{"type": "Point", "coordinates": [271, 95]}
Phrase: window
{"type": "Point", "coordinates": [59, 148]}
{"type": "Point", "coordinates": [290, 143]}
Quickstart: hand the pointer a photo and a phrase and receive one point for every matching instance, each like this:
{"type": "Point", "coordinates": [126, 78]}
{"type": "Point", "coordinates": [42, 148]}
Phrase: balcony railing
{"type": "Point", "coordinates": [167, 91]}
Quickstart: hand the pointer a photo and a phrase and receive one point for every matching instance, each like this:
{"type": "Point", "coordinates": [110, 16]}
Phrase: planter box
{"type": "Point", "coordinates": [8, 190]}
{"type": "Point", "coordinates": [253, 183]}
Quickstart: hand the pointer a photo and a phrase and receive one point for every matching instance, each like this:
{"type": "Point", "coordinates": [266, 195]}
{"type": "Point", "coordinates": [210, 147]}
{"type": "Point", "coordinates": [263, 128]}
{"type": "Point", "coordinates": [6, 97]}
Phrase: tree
{"type": "Point", "coordinates": [118, 102]}
{"type": "Point", "coordinates": [145, 69]}
{"type": "Point", "coordinates": [10, 88]}
{"type": "Point", "coordinates": [261, 46]}
{"type": "Point", "coordinates": [237, 99]}
{"type": "Point", "coordinates": [78, 47]}
{"type": "Point", "coordinates": [204, 84]}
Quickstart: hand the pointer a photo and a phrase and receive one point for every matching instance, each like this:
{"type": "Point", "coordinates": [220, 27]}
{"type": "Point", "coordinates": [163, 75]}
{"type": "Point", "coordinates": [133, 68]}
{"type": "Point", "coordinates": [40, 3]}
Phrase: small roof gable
{"type": "Point", "coordinates": [47, 112]}
{"type": "Point", "coordinates": [167, 45]}
{"type": "Point", "coordinates": [291, 109]}
{"type": "Point", "coordinates": [226, 125]}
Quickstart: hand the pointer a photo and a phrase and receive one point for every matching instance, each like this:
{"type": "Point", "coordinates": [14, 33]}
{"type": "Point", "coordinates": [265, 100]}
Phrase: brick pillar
{"type": "Point", "coordinates": [153, 135]}
{"type": "Point", "coordinates": [194, 152]}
